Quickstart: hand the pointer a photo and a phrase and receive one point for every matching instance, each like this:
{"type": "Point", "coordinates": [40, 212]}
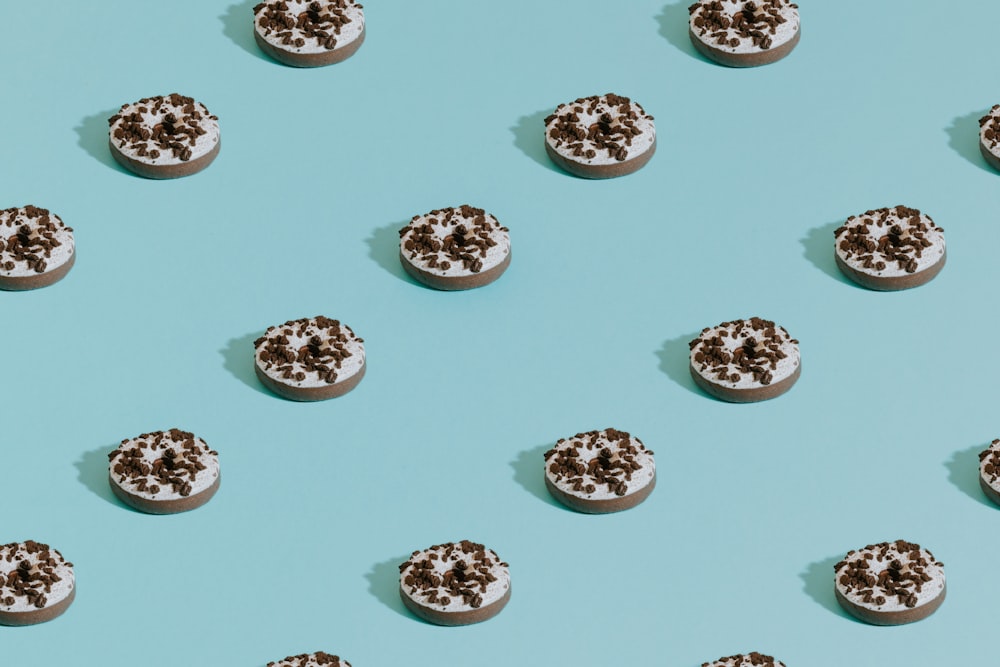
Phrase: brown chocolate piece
{"type": "Point", "coordinates": [321, 24]}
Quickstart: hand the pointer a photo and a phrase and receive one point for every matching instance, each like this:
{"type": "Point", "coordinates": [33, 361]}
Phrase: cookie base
{"type": "Point", "coordinates": [990, 492]}
{"type": "Point", "coordinates": [890, 617]}
{"type": "Point", "coordinates": [595, 171]}
{"type": "Point", "coordinates": [35, 616]}
{"type": "Point", "coordinates": [164, 171]}
{"type": "Point", "coordinates": [891, 283]}
{"type": "Point", "coordinates": [454, 283]}
{"type": "Point", "coordinates": [988, 155]}
{"type": "Point", "coordinates": [44, 279]}
{"type": "Point", "coordinates": [305, 394]}
{"type": "Point", "coordinates": [754, 59]}
{"type": "Point", "coordinates": [452, 618]}
{"type": "Point", "coordinates": [172, 506]}
{"type": "Point", "coordinates": [320, 59]}
{"type": "Point", "coordinates": [754, 395]}
{"type": "Point", "coordinates": [603, 505]}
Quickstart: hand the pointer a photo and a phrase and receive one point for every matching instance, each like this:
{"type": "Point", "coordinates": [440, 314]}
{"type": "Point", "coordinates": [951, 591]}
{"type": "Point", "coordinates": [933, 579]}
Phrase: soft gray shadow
{"type": "Point", "coordinates": [963, 137]}
{"type": "Point", "coordinates": [529, 472]}
{"type": "Point", "coordinates": [92, 133]}
{"type": "Point", "coordinates": [817, 582]}
{"type": "Point", "coordinates": [818, 247]}
{"type": "Point", "coordinates": [674, 21]}
{"type": "Point", "coordinates": [529, 137]}
{"type": "Point", "coordinates": [383, 583]}
{"type": "Point", "coordinates": [237, 25]}
{"type": "Point", "coordinates": [383, 247]}
{"type": "Point", "coordinates": [963, 473]}
{"type": "Point", "coordinates": [237, 358]}
{"type": "Point", "coordinates": [675, 361]}
{"type": "Point", "coordinates": [92, 471]}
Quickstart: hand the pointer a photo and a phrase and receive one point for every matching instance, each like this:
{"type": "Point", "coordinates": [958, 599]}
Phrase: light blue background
{"type": "Point", "coordinates": [443, 439]}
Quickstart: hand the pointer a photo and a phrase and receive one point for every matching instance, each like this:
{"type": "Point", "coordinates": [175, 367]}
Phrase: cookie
{"type": "Point", "coordinates": [744, 33]}
{"type": "Point", "coordinates": [749, 660]}
{"type": "Point", "coordinates": [164, 472]}
{"type": "Point", "coordinates": [455, 248]}
{"type": "Point", "coordinates": [890, 248]}
{"type": "Point", "coordinates": [745, 360]}
{"type": "Point", "coordinates": [600, 471]}
{"type": "Point", "coordinates": [305, 33]}
{"type": "Point", "coordinates": [164, 137]}
{"type": "Point", "coordinates": [36, 248]}
{"type": "Point", "coordinates": [317, 659]}
{"type": "Point", "coordinates": [455, 583]}
{"type": "Point", "coordinates": [890, 583]}
{"type": "Point", "coordinates": [36, 583]}
{"type": "Point", "coordinates": [310, 359]}
{"type": "Point", "coordinates": [989, 136]}
{"type": "Point", "coordinates": [602, 136]}
{"type": "Point", "coordinates": [989, 471]}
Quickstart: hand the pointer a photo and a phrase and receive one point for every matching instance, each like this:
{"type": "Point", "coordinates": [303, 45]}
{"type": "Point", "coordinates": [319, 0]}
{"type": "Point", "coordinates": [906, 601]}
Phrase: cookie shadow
{"type": "Point", "coordinates": [237, 25]}
{"type": "Point", "coordinates": [92, 136]}
{"type": "Point", "coordinates": [963, 473]}
{"type": "Point", "coordinates": [92, 471]}
{"type": "Point", "coordinates": [818, 247]}
{"type": "Point", "coordinates": [529, 472]}
{"type": "Point", "coordinates": [529, 138]}
{"type": "Point", "coordinates": [817, 583]}
{"type": "Point", "coordinates": [237, 358]}
{"type": "Point", "coordinates": [383, 584]}
{"type": "Point", "coordinates": [675, 361]}
{"type": "Point", "coordinates": [963, 138]}
{"type": "Point", "coordinates": [383, 248]}
{"type": "Point", "coordinates": [674, 22]}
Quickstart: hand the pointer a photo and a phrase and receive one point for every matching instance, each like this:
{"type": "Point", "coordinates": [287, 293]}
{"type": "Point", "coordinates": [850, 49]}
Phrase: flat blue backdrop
{"type": "Point", "coordinates": [443, 105]}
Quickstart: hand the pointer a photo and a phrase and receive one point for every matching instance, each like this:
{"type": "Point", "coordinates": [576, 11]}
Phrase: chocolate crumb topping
{"type": "Point", "coordinates": [739, 350]}
{"type": "Point", "coordinates": [989, 128]}
{"type": "Point", "coordinates": [607, 458]}
{"type": "Point", "coordinates": [599, 125]}
{"type": "Point", "coordinates": [453, 237]}
{"type": "Point", "coordinates": [887, 237]}
{"type": "Point", "coordinates": [163, 125]}
{"type": "Point", "coordinates": [882, 572]}
{"type": "Point", "coordinates": [152, 463]}
{"type": "Point", "coordinates": [28, 572]}
{"type": "Point", "coordinates": [29, 237]}
{"type": "Point", "coordinates": [989, 463]}
{"type": "Point", "coordinates": [309, 349]}
{"type": "Point", "coordinates": [293, 23]}
{"type": "Point", "coordinates": [452, 573]}
{"type": "Point", "coordinates": [318, 659]}
{"type": "Point", "coordinates": [728, 23]}
{"type": "Point", "coordinates": [754, 659]}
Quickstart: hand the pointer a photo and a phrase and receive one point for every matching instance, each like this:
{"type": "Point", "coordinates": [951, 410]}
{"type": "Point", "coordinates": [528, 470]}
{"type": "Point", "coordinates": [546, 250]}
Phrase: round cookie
{"type": "Point", "coordinates": [600, 471]}
{"type": "Point", "coordinates": [890, 248]}
{"type": "Point", "coordinates": [317, 659]}
{"type": "Point", "coordinates": [744, 33]}
{"type": "Point", "coordinates": [310, 359]}
{"type": "Point", "coordinates": [168, 136]}
{"type": "Point", "coordinates": [36, 248]}
{"type": "Point", "coordinates": [749, 660]}
{"type": "Point", "coordinates": [989, 471]}
{"type": "Point", "coordinates": [602, 136]}
{"type": "Point", "coordinates": [455, 248]}
{"type": "Point", "coordinates": [890, 583]}
{"type": "Point", "coordinates": [989, 136]}
{"type": "Point", "coordinates": [309, 33]}
{"type": "Point", "coordinates": [455, 583]}
{"type": "Point", "coordinates": [164, 472]}
{"type": "Point", "coordinates": [744, 361]}
{"type": "Point", "coordinates": [36, 583]}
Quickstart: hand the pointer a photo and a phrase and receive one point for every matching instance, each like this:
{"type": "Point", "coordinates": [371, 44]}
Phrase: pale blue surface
{"type": "Point", "coordinates": [442, 440]}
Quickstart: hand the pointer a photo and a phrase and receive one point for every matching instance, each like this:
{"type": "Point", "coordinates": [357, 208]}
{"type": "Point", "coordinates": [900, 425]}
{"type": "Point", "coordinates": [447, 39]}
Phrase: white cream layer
{"type": "Point", "coordinates": [494, 589]}
{"type": "Point", "coordinates": [349, 366]}
{"type": "Point", "coordinates": [9, 224]}
{"type": "Point", "coordinates": [640, 478]}
{"type": "Point", "coordinates": [995, 115]}
{"type": "Point", "coordinates": [203, 143]}
{"type": "Point", "coordinates": [348, 32]}
{"type": "Point", "coordinates": [640, 142]}
{"type": "Point", "coordinates": [60, 589]}
{"type": "Point", "coordinates": [783, 369]}
{"type": "Point", "coordinates": [929, 591]}
{"type": "Point", "coordinates": [783, 32]}
{"type": "Point", "coordinates": [495, 254]}
{"type": "Point", "coordinates": [930, 255]}
{"type": "Point", "coordinates": [151, 452]}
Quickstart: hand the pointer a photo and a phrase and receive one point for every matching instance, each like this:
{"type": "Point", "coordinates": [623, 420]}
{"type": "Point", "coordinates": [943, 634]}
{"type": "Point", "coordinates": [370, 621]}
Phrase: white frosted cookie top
{"type": "Point", "coordinates": [745, 354]}
{"type": "Point", "coordinates": [600, 465]}
{"type": "Point", "coordinates": [890, 242]}
{"type": "Point", "coordinates": [165, 465]}
{"type": "Point", "coordinates": [890, 576]}
{"type": "Point", "coordinates": [749, 660]}
{"type": "Point", "coordinates": [454, 242]}
{"type": "Point", "coordinates": [744, 26]}
{"type": "Point", "coordinates": [32, 241]}
{"type": "Point", "coordinates": [989, 465]}
{"type": "Point", "coordinates": [318, 659]}
{"type": "Point", "coordinates": [33, 576]}
{"type": "Point", "coordinates": [454, 577]}
{"type": "Point", "coordinates": [600, 130]}
{"type": "Point", "coordinates": [989, 130]}
{"type": "Point", "coordinates": [310, 352]}
{"type": "Point", "coordinates": [309, 26]}
{"type": "Point", "coordinates": [164, 130]}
